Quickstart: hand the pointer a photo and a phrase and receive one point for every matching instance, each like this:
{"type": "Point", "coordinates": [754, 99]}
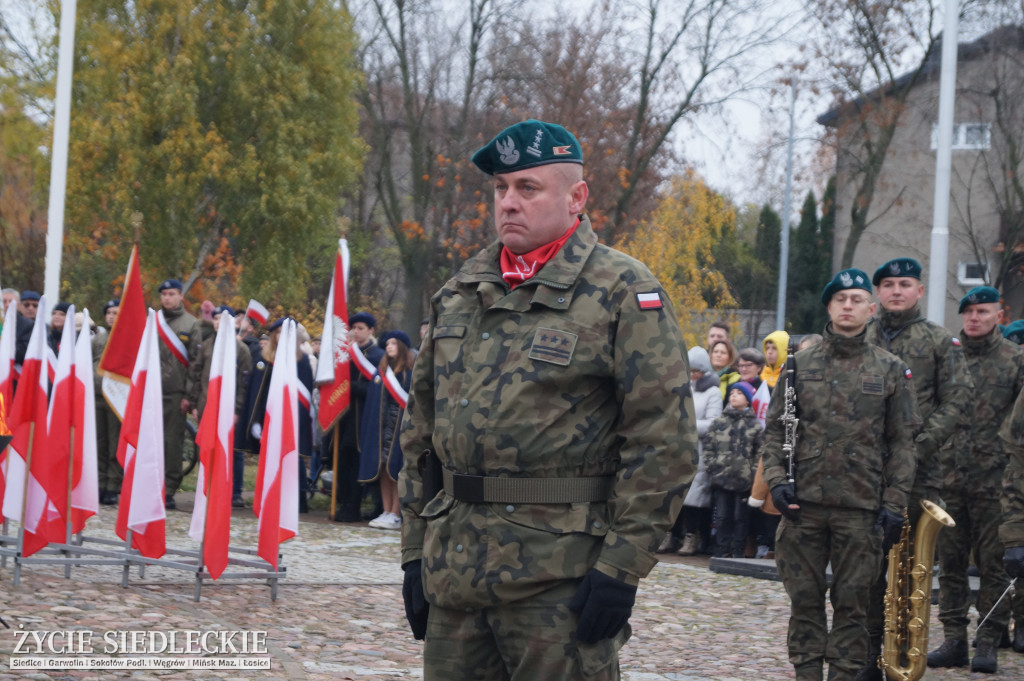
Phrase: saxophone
{"type": "Point", "coordinates": [908, 596]}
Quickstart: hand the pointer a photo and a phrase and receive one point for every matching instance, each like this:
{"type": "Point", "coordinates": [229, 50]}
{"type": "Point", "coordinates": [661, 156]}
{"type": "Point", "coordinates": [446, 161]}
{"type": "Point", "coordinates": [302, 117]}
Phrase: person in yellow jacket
{"type": "Point", "coordinates": [774, 345]}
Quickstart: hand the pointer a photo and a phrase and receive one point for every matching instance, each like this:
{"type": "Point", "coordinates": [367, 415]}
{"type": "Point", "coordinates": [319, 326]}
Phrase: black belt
{"type": "Point", "coordinates": [482, 489]}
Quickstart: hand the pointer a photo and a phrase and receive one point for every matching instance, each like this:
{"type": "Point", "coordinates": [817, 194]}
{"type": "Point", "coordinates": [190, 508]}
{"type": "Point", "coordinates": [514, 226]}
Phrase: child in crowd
{"type": "Point", "coordinates": [731, 450]}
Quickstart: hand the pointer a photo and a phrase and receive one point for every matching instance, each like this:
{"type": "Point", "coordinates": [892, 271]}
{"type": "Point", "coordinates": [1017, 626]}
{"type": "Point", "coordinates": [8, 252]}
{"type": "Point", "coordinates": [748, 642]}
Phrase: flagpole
{"type": "Point", "coordinates": [334, 467]}
{"type": "Point", "coordinates": [24, 503]}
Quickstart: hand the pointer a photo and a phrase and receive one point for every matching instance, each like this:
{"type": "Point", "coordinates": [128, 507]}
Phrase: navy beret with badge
{"type": "Point", "coordinates": [1014, 332]}
{"type": "Point", "coordinates": [898, 267]}
{"type": "Point", "coordinates": [169, 284]}
{"type": "Point", "coordinates": [113, 302]}
{"type": "Point", "coordinates": [528, 144]}
{"type": "Point", "coordinates": [977, 296]}
{"type": "Point", "coordinates": [847, 279]}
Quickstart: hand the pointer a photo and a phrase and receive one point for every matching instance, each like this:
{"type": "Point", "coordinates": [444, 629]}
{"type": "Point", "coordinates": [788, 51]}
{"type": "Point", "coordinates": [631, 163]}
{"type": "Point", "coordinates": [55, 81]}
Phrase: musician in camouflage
{"type": "Point", "coordinates": [554, 365]}
{"type": "Point", "coordinates": [854, 469]}
{"type": "Point", "coordinates": [943, 386]}
{"type": "Point", "coordinates": [971, 489]}
{"type": "Point", "coordinates": [1011, 530]}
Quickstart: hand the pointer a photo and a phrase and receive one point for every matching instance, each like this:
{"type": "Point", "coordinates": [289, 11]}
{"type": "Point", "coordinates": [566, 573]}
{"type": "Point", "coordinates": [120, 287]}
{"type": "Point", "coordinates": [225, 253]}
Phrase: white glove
{"type": "Point", "coordinates": [257, 430]}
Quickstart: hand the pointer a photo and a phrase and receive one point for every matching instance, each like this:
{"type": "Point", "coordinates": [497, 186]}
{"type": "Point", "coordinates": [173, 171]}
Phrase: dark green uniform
{"type": "Point", "coordinates": [854, 453]}
{"type": "Point", "coordinates": [565, 376]}
{"type": "Point", "coordinates": [944, 389]}
{"type": "Point", "coordinates": [108, 427]}
{"type": "Point", "coordinates": [174, 377]}
{"type": "Point", "coordinates": [972, 487]}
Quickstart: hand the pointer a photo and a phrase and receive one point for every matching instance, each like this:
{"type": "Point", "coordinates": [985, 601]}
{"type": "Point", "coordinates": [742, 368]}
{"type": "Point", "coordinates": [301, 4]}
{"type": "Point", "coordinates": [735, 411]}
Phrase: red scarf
{"type": "Point", "coordinates": [515, 269]}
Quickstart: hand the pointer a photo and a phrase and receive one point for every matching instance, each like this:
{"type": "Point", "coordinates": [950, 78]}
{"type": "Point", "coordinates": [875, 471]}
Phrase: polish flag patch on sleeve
{"type": "Point", "coordinates": [907, 374]}
{"type": "Point", "coordinates": [649, 301]}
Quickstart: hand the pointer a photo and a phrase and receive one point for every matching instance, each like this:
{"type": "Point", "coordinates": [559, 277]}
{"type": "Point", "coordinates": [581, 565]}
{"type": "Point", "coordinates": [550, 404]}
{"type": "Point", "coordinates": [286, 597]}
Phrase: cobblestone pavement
{"type": "Point", "coordinates": [339, 612]}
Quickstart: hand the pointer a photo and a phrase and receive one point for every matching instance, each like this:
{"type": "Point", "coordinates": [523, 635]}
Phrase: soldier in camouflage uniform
{"type": "Point", "coordinates": [854, 469]}
{"type": "Point", "coordinates": [943, 387]}
{"type": "Point", "coordinates": [1011, 531]}
{"type": "Point", "coordinates": [972, 486]}
{"type": "Point", "coordinates": [179, 347]}
{"type": "Point", "coordinates": [552, 385]}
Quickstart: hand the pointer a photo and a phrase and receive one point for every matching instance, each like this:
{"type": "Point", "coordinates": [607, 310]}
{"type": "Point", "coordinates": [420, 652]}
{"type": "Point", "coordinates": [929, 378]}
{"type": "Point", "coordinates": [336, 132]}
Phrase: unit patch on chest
{"type": "Point", "coordinates": [550, 345]}
{"type": "Point", "coordinates": [872, 384]}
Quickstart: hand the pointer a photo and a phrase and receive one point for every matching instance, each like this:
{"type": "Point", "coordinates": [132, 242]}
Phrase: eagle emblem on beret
{"type": "Point", "coordinates": [894, 267]}
{"type": "Point", "coordinates": [846, 279]}
{"type": "Point", "coordinates": [507, 151]}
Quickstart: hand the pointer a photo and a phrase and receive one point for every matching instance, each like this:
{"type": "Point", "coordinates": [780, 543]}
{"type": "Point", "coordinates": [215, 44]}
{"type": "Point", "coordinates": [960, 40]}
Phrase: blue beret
{"type": "Point", "coordinates": [401, 336]}
{"type": "Point", "coordinates": [364, 317]}
{"type": "Point", "coordinates": [978, 295]}
{"type": "Point", "coordinates": [898, 267]}
{"type": "Point", "coordinates": [527, 145]}
{"type": "Point", "coordinates": [851, 278]}
{"type": "Point", "coordinates": [169, 283]}
{"type": "Point", "coordinates": [29, 295]}
{"type": "Point", "coordinates": [113, 302]}
{"type": "Point", "coordinates": [224, 308]}
{"type": "Point", "coordinates": [1014, 332]}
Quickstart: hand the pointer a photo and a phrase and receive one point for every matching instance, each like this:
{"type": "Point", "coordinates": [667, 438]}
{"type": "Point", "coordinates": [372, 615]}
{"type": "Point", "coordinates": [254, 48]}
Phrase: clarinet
{"type": "Point", "coordinates": [789, 418]}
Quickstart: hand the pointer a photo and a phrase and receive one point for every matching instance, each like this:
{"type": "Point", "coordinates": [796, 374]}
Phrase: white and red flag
{"type": "Point", "coordinates": [118, 360]}
{"type": "Point", "coordinates": [762, 396]}
{"type": "Point", "coordinates": [25, 497]}
{"type": "Point", "coordinates": [277, 479]}
{"type": "Point", "coordinates": [211, 515]}
{"type": "Point", "coordinates": [8, 376]}
{"type": "Point", "coordinates": [72, 424]}
{"type": "Point", "coordinates": [257, 312]}
{"type": "Point", "coordinates": [140, 451]}
{"type": "Point", "coordinates": [333, 374]}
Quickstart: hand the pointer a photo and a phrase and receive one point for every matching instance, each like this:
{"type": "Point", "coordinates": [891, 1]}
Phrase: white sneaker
{"type": "Point", "coordinates": [391, 522]}
{"type": "Point", "coordinates": [379, 521]}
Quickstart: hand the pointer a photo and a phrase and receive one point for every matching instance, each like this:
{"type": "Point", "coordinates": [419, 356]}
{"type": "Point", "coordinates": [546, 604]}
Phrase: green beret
{"type": "Point", "coordinates": [528, 144]}
{"type": "Point", "coordinates": [978, 295]}
{"type": "Point", "coordinates": [1014, 332]}
{"type": "Point", "coordinates": [851, 278]}
{"type": "Point", "coordinates": [898, 267]}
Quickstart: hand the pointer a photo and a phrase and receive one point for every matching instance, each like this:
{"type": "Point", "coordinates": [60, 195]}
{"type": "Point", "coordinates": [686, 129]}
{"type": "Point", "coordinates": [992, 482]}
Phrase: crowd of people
{"type": "Point", "coordinates": [371, 457]}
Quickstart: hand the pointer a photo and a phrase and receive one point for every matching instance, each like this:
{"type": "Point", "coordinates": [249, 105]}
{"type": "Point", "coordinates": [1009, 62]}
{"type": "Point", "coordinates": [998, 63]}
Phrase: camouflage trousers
{"type": "Point", "coordinates": [174, 435]}
{"type": "Point", "coordinates": [847, 539]}
{"type": "Point", "coordinates": [525, 640]}
{"type": "Point", "coordinates": [108, 429]}
{"type": "Point", "coordinates": [976, 532]}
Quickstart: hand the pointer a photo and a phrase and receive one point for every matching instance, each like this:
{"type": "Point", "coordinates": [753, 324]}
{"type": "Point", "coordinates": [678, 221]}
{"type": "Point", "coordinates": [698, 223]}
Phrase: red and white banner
{"type": "Point", "coordinates": [171, 339]}
{"type": "Point", "coordinates": [140, 451]}
{"type": "Point", "coordinates": [118, 360]}
{"type": "Point", "coordinates": [25, 497]}
{"type": "Point", "coordinates": [211, 516]}
{"type": "Point", "coordinates": [762, 396]}
{"type": "Point", "coordinates": [85, 498]}
{"type": "Point", "coordinates": [52, 467]}
{"type": "Point", "coordinates": [257, 312]}
{"type": "Point", "coordinates": [277, 480]}
{"type": "Point", "coordinates": [7, 378]}
{"type": "Point", "coordinates": [333, 374]}
{"type": "Point", "coordinates": [394, 387]}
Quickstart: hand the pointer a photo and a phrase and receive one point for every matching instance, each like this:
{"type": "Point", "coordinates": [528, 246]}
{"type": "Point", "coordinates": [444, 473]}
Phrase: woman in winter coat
{"type": "Point", "coordinates": [722, 354]}
{"type": "Point", "coordinates": [380, 457]}
{"type": "Point", "coordinates": [695, 516]}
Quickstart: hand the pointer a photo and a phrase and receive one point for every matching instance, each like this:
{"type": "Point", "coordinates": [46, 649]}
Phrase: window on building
{"type": "Point", "coordinates": [966, 136]}
{"type": "Point", "coordinates": [972, 273]}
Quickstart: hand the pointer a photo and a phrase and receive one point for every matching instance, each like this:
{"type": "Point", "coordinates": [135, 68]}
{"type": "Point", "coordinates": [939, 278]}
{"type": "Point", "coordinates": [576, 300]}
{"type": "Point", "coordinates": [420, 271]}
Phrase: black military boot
{"type": "Point", "coordinates": [985, 660]}
{"type": "Point", "coordinates": [871, 671]}
{"type": "Point", "coordinates": [1018, 635]}
{"type": "Point", "coordinates": [952, 653]}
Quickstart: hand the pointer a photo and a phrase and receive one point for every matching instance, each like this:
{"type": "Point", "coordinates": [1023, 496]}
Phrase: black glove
{"type": "Point", "coordinates": [416, 606]}
{"type": "Point", "coordinates": [1013, 561]}
{"type": "Point", "coordinates": [782, 496]}
{"type": "Point", "coordinates": [891, 524]}
{"type": "Point", "coordinates": [603, 604]}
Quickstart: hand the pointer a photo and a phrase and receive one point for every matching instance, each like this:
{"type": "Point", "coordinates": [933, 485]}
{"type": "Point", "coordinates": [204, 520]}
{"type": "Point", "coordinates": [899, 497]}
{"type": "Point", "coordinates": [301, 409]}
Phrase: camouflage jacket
{"type": "Point", "coordinates": [732, 446]}
{"type": "Point", "coordinates": [174, 374]}
{"type": "Point", "coordinates": [941, 380]}
{"type": "Point", "coordinates": [858, 414]}
{"type": "Point", "coordinates": [563, 376]}
{"type": "Point", "coordinates": [979, 456]}
{"type": "Point", "coordinates": [199, 375]}
{"type": "Point", "coordinates": [1011, 531]}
